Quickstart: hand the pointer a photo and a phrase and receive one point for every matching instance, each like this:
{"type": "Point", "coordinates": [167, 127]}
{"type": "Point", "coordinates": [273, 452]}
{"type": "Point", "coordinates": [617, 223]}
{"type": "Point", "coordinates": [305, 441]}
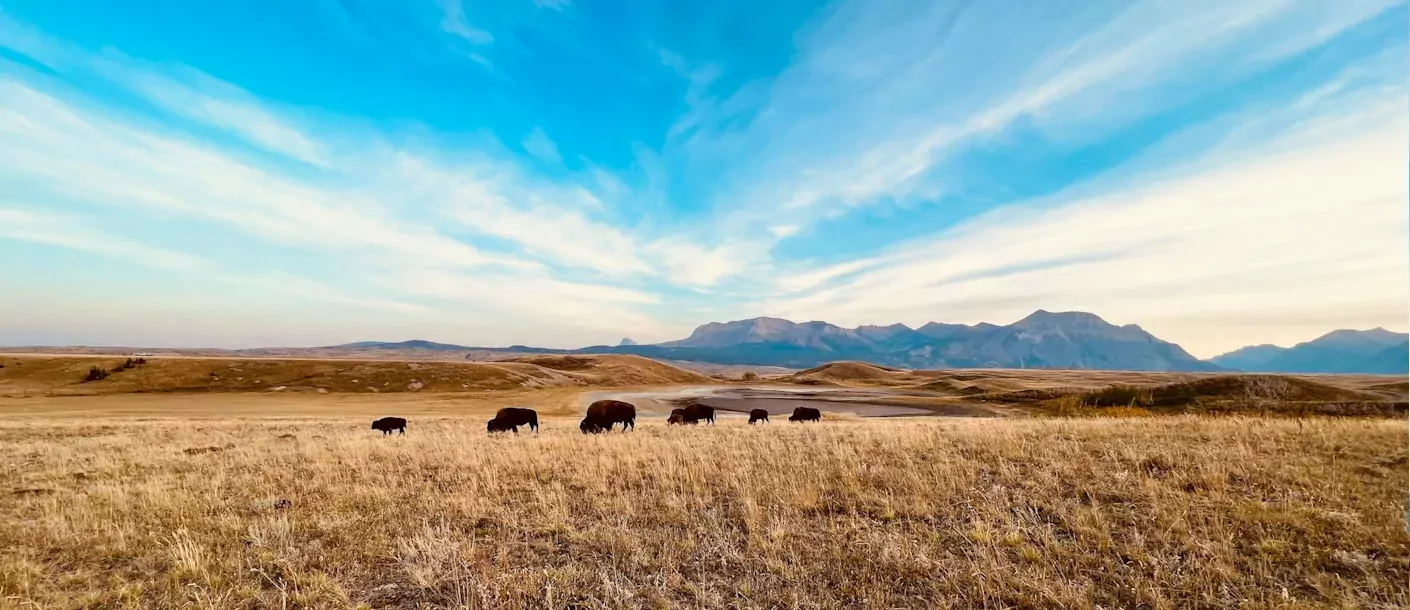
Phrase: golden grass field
{"type": "Point", "coordinates": [263, 500]}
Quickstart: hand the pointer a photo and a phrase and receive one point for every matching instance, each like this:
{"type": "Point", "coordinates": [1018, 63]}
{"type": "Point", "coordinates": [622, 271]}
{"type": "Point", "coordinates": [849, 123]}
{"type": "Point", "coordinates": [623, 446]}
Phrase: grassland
{"type": "Point", "coordinates": [164, 486]}
{"type": "Point", "coordinates": [63, 375]}
{"type": "Point", "coordinates": [1174, 512]}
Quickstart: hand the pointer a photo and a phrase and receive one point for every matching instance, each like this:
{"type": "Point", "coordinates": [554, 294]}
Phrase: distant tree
{"type": "Point", "coordinates": [749, 376]}
{"type": "Point", "coordinates": [96, 374]}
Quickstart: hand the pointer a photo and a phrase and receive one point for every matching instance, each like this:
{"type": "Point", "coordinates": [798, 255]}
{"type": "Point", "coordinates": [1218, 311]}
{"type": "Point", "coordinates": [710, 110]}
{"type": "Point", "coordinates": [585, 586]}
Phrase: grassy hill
{"type": "Point", "coordinates": [65, 375]}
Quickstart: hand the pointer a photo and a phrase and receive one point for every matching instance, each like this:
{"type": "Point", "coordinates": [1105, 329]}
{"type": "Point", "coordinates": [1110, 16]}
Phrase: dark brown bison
{"type": "Point", "coordinates": [678, 417]}
{"type": "Point", "coordinates": [805, 414]}
{"type": "Point", "coordinates": [509, 419]}
{"type": "Point", "coordinates": [756, 415]}
{"type": "Point", "coordinates": [699, 412]}
{"type": "Point", "coordinates": [604, 414]}
{"type": "Point", "coordinates": [387, 424]}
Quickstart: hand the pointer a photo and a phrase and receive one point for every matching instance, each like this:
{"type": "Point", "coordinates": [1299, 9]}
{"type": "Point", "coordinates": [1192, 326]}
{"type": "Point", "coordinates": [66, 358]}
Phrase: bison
{"type": "Point", "coordinates": [509, 419]}
{"type": "Point", "coordinates": [678, 417]}
{"type": "Point", "coordinates": [803, 414]}
{"type": "Point", "coordinates": [603, 414]}
{"type": "Point", "coordinates": [757, 415]}
{"type": "Point", "coordinates": [387, 424]}
{"type": "Point", "coordinates": [699, 411]}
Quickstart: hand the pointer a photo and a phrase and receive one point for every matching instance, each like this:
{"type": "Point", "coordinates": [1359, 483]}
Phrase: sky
{"type": "Point", "coordinates": [565, 173]}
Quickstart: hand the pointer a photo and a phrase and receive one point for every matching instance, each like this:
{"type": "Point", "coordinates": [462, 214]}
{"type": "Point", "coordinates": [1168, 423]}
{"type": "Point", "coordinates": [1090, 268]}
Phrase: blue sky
{"type": "Point", "coordinates": [565, 172]}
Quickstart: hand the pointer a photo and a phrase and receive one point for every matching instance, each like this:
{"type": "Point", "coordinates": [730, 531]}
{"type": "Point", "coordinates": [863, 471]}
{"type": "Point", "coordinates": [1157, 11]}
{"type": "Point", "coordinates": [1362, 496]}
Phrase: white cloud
{"type": "Point", "coordinates": [76, 234]}
{"type": "Point", "coordinates": [377, 207]}
{"type": "Point", "coordinates": [692, 264]}
{"type": "Point", "coordinates": [455, 22]}
{"type": "Point", "coordinates": [68, 232]}
{"type": "Point", "coordinates": [544, 222]}
{"type": "Point", "coordinates": [1309, 224]}
{"type": "Point", "coordinates": [111, 163]}
{"type": "Point", "coordinates": [584, 307]}
{"type": "Point", "coordinates": [883, 93]}
{"type": "Point", "coordinates": [539, 145]}
{"type": "Point", "coordinates": [226, 107]}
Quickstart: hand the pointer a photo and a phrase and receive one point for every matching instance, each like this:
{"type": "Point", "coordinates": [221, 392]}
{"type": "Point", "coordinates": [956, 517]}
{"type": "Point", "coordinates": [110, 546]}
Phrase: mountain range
{"type": "Point", "coordinates": [1050, 340]}
{"type": "Point", "coordinates": [1342, 351]}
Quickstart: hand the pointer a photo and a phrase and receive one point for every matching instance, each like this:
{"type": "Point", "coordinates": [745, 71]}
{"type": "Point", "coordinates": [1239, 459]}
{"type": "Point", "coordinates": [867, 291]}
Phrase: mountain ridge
{"type": "Point", "coordinates": [1044, 339]}
{"type": "Point", "coordinates": [1371, 351]}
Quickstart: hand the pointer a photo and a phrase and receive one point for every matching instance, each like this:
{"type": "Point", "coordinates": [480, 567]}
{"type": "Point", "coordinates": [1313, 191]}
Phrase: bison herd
{"type": "Point", "coordinates": [602, 416]}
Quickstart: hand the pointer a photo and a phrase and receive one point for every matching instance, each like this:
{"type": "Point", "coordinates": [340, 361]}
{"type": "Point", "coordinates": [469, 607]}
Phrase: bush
{"type": "Point", "coordinates": [749, 376]}
{"type": "Point", "coordinates": [1118, 396]}
{"type": "Point", "coordinates": [96, 374]}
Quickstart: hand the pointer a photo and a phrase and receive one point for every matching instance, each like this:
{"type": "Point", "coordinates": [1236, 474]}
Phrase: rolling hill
{"type": "Point", "coordinates": [63, 375]}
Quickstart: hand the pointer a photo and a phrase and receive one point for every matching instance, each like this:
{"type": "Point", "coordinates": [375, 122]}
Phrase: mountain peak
{"type": "Point", "coordinates": [1067, 319]}
{"type": "Point", "coordinates": [1350, 337]}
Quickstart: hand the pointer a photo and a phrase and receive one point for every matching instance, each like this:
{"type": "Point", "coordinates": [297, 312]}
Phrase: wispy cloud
{"type": "Point", "coordinates": [1300, 226]}
{"type": "Point", "coordinates": [539, 145]}
{"type": "Point", "coordinates": [112, 163]}
{"type": "Point", "coordinates": [882, 95]}
{"type": "Point", "coordinates": [221, 105]}
{"type": "Point", "coordinates": [455, 22]}
{"type": "Point", "coordinates": [77, 234]}
{"type": "Point", "coordinates": [875, 173]}
{"type": "Point", "coordinates": [69, 232]}
{"type": "Point", "coordinates": [381, 206]}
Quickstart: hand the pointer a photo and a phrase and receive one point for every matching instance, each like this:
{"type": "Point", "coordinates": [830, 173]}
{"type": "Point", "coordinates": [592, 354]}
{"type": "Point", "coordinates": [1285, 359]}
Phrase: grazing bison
{"type": "Point", "coordinates": [387, 424]}
{"type": "Point", "coordinates": [603, 414]}
{"type": "Point", "coordinates": [699, 411]}
{"type": "Point", "coordinates": [509, 419]}
{"type": "Point", "coordinates": [801, 414]}
{"type": "Point", "coordinates": [678, 417]}
{"type": "Point", "coordinates": [758, 415]}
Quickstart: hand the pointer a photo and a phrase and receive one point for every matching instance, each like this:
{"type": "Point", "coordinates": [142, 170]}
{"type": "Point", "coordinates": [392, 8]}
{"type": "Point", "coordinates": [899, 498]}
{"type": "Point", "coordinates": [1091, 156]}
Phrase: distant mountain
{"type": "Point", "coordinates": [1071, 340]}
{"type": "Point", "coordinates": [412, 344]}
{"type": "Point", "coordinates": [1251, 358]}
{"type": "Point", "coordinates": [627, 341]}
{"type": "Point", "coordinates": [1375, 351]}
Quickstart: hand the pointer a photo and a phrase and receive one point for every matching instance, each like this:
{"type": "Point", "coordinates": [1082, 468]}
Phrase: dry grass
{"type": "Point", "coordinates": [1176, 512]}
{"type": "Point", "coordinates": [49, 375]}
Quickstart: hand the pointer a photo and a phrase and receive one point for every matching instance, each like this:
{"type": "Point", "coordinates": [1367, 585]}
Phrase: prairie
{"type": "Point", "coordinates": [1171, 512]}
{"type": "Point", "coordinates": [164, 486]}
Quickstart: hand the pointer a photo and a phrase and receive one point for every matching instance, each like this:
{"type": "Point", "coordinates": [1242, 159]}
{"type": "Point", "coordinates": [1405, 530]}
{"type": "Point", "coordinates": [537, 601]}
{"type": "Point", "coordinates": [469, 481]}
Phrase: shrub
{"type": "Point", "coordinates": [1118, 396]}
{"type": "Point", "coordinates": [749, 376]}
{"type": "Point", "coordinates": [96, 374]}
